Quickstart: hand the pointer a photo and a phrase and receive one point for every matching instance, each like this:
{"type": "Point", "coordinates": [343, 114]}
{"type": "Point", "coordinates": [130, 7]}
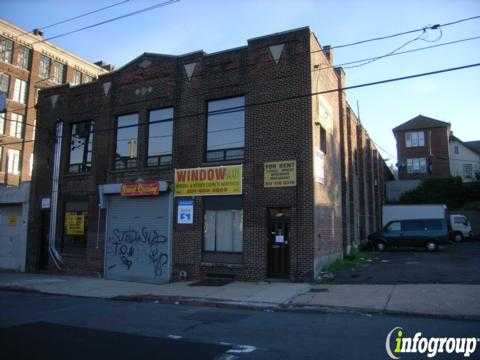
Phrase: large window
{"type": "Point", "coordinates": [77, 77]}
{"type": "Point", "coordinates": [81, 145]}
{"type": "Point", "coordinates": [2, 123]}
{"type": "Point", "coordinates": [23, 59]}
{"type": "Point", "coordinates": [223, 224]}
{"type": "Point", "coordinates": [58, 72]}
{"type": "Point", "coordinates": [4, 85]}
{"type": "Point", "coordinates": [20, 91]}
{"type": "Point", "coordinates": [127, 136]}
{"type": "Point", "coordinates": [414, 139]}
{"type": "Point", "coordinates": [13, 166]}
{"type": "Point", "coordinates": [416, 166]}
{"type": "Point", "coordinates": [468, 171]}
{"type": "Point", "coordinates": [6, 50]}
{"type": "Point", "coordinates": [16, 125]}
{"type": "Point", "coordinates": [160, 129]}
{"type": "Point", "coordinates": [44, 70]}
{"type": "Point", "coordinates": [226, 129]}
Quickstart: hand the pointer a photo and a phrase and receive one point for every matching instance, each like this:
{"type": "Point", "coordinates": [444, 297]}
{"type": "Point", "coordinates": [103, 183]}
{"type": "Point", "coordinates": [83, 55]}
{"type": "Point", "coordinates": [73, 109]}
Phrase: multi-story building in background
{"type": "Point", "coordinates": [27, 65]}
{"type": "Point", "coordinates": [245, 163]}
{"type": "Point", "coordinates": [426, 147]}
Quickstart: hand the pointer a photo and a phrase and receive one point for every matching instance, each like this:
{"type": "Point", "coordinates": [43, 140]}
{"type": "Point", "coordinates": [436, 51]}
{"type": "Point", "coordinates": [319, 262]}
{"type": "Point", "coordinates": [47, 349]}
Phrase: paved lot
{"type": "Point", "coordinates": [39, 326]}
{"type": "Point", "coordinates": [456, 264]}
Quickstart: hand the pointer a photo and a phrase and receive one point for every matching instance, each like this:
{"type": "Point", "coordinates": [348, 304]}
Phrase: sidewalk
{"type": "Point", "coordinates": [447, 301]}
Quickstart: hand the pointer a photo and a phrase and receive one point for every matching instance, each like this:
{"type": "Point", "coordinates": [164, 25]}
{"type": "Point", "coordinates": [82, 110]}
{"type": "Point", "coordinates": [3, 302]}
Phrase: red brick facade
{"type": "Point", "coordinates": [282, 122]}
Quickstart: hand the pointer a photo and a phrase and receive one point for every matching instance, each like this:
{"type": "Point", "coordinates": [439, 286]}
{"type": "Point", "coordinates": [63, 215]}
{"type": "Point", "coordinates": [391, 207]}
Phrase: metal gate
{"type": "Point", "coordinates": [12, 240]}
{"type": "Point", "coordinates": [138, 240]}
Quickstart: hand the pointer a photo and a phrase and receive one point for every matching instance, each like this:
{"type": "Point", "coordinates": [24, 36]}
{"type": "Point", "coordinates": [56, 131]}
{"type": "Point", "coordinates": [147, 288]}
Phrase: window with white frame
{"type": "Point", "coordinates": [2, 123]}
{"type": "Point", "coordinates": [226, 129]}
{"type": "Point", "coordinates": [20, 91]}
{"type": "Point", "coordinates": [16, 125]}
{"type": "Point", "coordinates": [414, 138]}
{"type": "Point", "coordinates": [13, 164]}
{"type": "Point", "coordinates": [23, 57]}
{"type": "Point", "coordinates": [160, 132]}
{"type": "Point", "coordinates": [468, 171]}
{"type": "Point", "coordinates": [223, 224]}
{"type": "Point", "coordinates": [44, 69]}
{"type": "Point", "coordinates": [6, 50]}
{"type": "Point", "coordinates": [416, 166]}
{"type": "Point", "coordinates": [58, 72]}
{"type": "Point", "coordinates": [77, 77]}
{"type": "Point", "coordinates": [4, 84]}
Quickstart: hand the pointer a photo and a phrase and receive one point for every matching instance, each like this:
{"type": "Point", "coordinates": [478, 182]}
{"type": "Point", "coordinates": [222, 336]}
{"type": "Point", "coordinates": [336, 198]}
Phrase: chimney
{"type": "Point", "coordinates": [327, 50]}
{"type": "Point", "coordinates": [108, 67]}
{"type": "Point", "coordinates": [37, 32]}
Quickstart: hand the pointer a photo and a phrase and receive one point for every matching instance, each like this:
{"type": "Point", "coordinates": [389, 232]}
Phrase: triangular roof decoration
{"type": "Point", "coordinates": [276, 51]}
{"type": "Point", "coordinates": [189, 68]}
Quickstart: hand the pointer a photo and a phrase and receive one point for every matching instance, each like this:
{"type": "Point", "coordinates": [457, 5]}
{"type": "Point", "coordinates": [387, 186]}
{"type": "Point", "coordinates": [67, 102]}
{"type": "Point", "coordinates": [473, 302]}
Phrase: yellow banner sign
{"type": "Point", "coordinates": [74, 223]}
{"type": "Point", "coordinates": [216, 180]}
{"type": "Point", "coordinates": [12, 220]}
{"type": "Point", "coordinates": [280, 173]}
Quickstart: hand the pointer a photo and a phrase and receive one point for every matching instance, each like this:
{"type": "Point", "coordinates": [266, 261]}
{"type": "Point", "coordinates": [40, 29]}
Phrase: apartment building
{"type": "Point", "coordinates": [27, 65]}
{"type": "Point", "coordinates": [246, 163]}
{"type": "Point", "coordinates": [426, 147]}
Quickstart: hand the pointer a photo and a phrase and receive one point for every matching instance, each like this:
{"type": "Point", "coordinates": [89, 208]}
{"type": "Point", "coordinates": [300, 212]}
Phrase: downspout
{"type": "Point", "coordinates": [52, 250]}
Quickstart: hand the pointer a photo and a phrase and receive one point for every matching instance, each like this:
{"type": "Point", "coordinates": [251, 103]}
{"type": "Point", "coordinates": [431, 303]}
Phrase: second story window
{"type": "Point", "coordinates": [77, 77]}
{"type": "Point", "coordinates": [13, 165]}
{"type": "Point", "coordinates": [126, 147]}
{"type": "Point", "coordinates": [16, 125]}
{"type": "Point", "coordinates": [4, 85]}
{"type": "Point", "coordinates": [81, 145]}
{"type": "Point", "coordinates": [6, 50]}
{"type": "Point", "coordinates": [23, 59]}
{"type": "Point", "coordinates": [20, 91]}
{"type": "Point", "coordinates": [414, 139]}
{"type": "Point", "coordinates": [416, 166]}
{"type": "Point", "coordinates": [160, 131]}
{"type": "Point", "coordinates": [44, 70]}
{"type": "Point", "coordinates": [226, 129]}
{"type": "Point", "coordinates": [58, 72]}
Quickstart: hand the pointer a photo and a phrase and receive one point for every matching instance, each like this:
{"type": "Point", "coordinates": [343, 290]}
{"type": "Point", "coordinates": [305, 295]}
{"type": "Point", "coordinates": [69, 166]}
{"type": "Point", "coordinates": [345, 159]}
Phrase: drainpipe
{"type": "Point", "coordinates": [52, 250]}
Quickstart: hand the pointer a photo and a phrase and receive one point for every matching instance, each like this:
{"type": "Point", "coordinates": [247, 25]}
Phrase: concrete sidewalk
{"type": "Point", "coordinates": [448, 301]}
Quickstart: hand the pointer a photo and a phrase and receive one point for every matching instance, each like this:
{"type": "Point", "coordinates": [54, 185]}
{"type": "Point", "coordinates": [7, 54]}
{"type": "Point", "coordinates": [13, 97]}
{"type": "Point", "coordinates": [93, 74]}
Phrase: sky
{"type": "Point", "coordinates": [214, 25]}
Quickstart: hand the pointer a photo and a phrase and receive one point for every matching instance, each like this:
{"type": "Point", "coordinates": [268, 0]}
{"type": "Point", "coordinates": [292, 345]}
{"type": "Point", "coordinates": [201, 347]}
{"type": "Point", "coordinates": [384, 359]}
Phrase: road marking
{"type": "Point", "coordinates": [241, 349]}
{"type": "Point", "coordinates": [176, 337]}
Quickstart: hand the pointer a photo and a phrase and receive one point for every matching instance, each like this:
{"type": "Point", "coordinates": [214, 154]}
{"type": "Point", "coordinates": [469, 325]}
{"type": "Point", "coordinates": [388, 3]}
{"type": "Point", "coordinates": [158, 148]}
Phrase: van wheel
{"type": "Point", "coordinates": [431, 246]}
{"type": "Point", "coordinates": [458, 237]}
{"type": "Point", "coordinates": [380, 246]}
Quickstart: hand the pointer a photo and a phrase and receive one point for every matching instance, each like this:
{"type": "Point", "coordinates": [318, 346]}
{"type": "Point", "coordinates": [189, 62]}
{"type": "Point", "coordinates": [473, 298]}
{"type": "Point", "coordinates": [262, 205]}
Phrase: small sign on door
{"type": "Point", "coordinates": [185, 211]}
{"type": "Point", "coordinates": [279, 239]}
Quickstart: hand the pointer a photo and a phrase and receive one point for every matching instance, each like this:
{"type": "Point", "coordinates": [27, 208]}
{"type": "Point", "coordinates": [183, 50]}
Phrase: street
{"type": "Point", "coordinates": [39, 326]}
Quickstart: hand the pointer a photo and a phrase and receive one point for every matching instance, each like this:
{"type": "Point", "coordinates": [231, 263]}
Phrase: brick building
{"type": "Point", "coordinates": [27, 64]}
{"type": "Point", "coordinates": [205, 164]}
{"type": "Point", "coordinates": [427, 148]}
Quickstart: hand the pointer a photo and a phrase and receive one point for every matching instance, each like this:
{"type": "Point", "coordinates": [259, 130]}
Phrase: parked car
{"type": "Point", "coordinates": [428, 233]}
{"type": "Point", "coordinates": [461, 228]}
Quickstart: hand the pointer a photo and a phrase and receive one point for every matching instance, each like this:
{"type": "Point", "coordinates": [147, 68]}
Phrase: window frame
{"type": "Point", "coordinates": [48, 69]}
{"type": "Point", "coordinates": [18, 134]}
{"type": "Point", "coordinates": [125, 159]}
{"type": "Point", "coordinates": [412, 167]}
{"type": "Point", "coordinates": [147, 145]}
{"type": "Point", "coordinates": [24, 56]}
{"type": "Point", "coordinates": [415, 134]}
{"type": "Point", "coordinates": [20, 94]}
{"type": "Point", "coordinates": [18, 163]}
{"type": "Point", "coordinates": [83, 166]}
{"type": "Point", "coordinates": [224, 151]}
{"type": "Point", "coordinates": [75, 73]}
{"type": "Point", "coordinates": [9, 78]}
{"type": "Point", "coordinates": [3, 118]}
{"type": "Point", "coordinates": [468, 171]}
{"type": "Point", "coordinates": [4, 50]}
{"type": "Point", "coordinates": [57, 77]}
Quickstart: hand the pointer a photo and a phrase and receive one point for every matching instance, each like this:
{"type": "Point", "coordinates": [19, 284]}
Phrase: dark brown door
{"type": "Point", "coordinates": [278, 231]}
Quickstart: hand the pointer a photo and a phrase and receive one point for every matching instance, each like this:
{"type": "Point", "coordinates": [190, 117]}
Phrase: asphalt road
{"type": "Point", "coordinates": [37, 326]}
{"type": "Point", "coordinates": [455, 264]}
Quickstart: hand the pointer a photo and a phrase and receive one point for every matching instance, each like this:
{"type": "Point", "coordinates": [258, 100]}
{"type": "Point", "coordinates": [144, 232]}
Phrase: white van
{"type": "Point", "coordinates": [461, 227]}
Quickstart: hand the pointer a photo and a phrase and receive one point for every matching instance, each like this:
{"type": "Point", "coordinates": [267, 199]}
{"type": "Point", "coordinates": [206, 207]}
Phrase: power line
{"type": "Point", "coordinates": [166, 3]}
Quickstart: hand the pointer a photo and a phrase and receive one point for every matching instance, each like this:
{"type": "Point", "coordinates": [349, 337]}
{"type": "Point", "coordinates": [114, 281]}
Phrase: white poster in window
{"type": "Point", "coordinates": [45, 203]}
{"type": "Point", "coordinates": [319, 166]}
{"type": "Point", "coordinates": [185, 211]}
{"type": "Point", "coordinates": [279, 239]}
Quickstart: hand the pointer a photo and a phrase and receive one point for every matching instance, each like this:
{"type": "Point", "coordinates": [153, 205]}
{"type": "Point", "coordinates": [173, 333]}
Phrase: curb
{"type": "Point", "coordinates": [256, 306]}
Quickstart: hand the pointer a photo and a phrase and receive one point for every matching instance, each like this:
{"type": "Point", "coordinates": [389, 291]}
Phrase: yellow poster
{"type": "Point", "coordinates": [12, 220]}
{"type": "Point", "coordinates": [74, 223]}
{"type": "Point", "coordinates": [216, 180]}
{"type": "Point", "coordinates": [280, 173]}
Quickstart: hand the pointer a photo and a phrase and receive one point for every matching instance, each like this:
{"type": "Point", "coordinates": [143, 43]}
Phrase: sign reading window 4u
{"type": "Point", "coordinates": [215, 180]}
{"type": "Point", "coordinates": [185, 211]}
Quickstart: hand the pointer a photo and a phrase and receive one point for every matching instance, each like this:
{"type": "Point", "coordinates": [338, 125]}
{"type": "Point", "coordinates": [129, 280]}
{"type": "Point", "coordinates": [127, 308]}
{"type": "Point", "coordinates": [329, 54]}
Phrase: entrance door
{"type": "Point", "coordinates": [12, 238]}
{"type": "Point", "coordinates": [278, 231]}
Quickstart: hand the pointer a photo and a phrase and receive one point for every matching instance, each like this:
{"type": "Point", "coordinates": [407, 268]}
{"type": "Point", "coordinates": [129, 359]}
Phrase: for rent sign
{"type": "Point", "coordinates": [280, 173]}
{"type": "Point", "coordinates": [215, 180]}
